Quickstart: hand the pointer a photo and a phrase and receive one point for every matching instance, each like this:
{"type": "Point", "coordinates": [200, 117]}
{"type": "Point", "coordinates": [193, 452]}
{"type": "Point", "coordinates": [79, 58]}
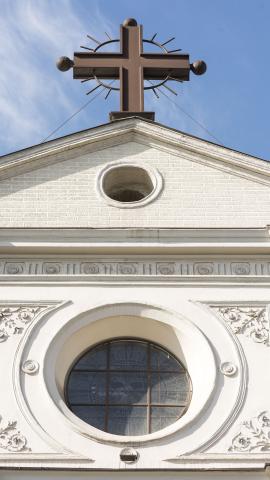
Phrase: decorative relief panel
{"type": "Point", "coordinates": [11, 439]}
{"type": "Point", "coordinates": [134, 267]}
{"type": "Point", "coordinates": [254, 435]}
{"type": "Point", "coordinates": [14, 319]}
{"type": "Point", "coordinates": [249, 321]}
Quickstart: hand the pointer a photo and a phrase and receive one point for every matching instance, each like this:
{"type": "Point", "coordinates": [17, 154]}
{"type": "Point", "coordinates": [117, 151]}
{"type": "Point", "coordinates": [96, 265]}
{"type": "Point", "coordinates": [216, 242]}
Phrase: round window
{"type": "Point", "coordinates": [126, 185]}
{"type": "Point", "coordinates": [128, 387]}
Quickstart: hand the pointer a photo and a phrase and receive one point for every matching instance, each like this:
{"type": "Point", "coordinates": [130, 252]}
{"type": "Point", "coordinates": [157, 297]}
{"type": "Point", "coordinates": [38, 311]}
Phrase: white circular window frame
{"type": "Point", "coordinates": [154, 174]}
{"type": "Point", "coordinates": [68, 334]}
{"type": "Point", "coordinates": [59, 346]}
{"type": "Point", "coordinates": [187, 341]}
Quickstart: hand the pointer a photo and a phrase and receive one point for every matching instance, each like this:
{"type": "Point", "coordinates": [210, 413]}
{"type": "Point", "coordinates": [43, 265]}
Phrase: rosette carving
{"type": "Point", "coordinates": [240, 268]}
{"type": "Point", "coordinates": [11, 438]}
{"type": "Point", "coordinates": [14, 319]}
{"type": "Point", "coordinates": [91, 268]}
{"type": "Point", "coordinates": [127, 268]}
{"type": "Point", "coordinates": [166, 268]}
{"type": "Point", "coordinates": [254, 435]}
{"type": "Point", "coordinates": [203, 268]}
{"type": "Point", "coordinates": [250, 321]}
{"type": "Point", "coordinates": [51, 268]}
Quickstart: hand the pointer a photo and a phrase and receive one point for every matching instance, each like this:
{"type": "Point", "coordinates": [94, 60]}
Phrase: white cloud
{"type": "Point", "coordinates": [34, 96]}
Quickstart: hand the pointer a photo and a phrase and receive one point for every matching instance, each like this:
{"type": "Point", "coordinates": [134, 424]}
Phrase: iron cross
{"type": "Point", "coordinates": [131, 66]}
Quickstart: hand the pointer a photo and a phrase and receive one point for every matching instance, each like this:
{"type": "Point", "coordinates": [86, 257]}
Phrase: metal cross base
{"type": "Point", "coordinates": [120, 115]}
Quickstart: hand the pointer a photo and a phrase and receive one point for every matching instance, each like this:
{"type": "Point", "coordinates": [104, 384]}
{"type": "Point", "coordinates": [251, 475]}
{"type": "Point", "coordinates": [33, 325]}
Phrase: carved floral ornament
{"type": "Point", "coordinates": [254, 435]}
{"type": "Point", "coordinates": [11, 438]}
{"type": "Point", "coordinates": [14, 319]}
{"type": "Point", "coordinates": [249, 321]}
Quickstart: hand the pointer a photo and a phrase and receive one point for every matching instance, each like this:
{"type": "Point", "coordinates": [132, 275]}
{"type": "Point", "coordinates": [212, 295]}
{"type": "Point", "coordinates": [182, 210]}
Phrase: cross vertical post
{"type": "Point", "coordinates": [131, 73]}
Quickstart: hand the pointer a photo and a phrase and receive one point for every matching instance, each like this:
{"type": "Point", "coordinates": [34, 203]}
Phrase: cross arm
{"type": "Point", "coordinates": [103, 65]}
{"type": "Point", "coordinates": [157, 66]}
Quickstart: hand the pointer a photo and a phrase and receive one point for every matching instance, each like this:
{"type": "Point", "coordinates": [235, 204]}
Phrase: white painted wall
{"type": "Point", "coordinates": [194, 195]}
{"type": "Point", "coordinates": [182, 319]}
{"type": "Point", "coordinates": [53, 307]}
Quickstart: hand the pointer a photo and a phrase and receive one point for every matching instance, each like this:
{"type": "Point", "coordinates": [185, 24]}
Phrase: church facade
{"type": "Point", "coordinates": [134, 308]}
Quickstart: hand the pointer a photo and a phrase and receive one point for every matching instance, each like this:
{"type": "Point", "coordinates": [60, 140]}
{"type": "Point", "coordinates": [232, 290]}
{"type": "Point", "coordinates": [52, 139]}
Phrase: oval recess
{"type": "Point", "coordinates": [129, 185]}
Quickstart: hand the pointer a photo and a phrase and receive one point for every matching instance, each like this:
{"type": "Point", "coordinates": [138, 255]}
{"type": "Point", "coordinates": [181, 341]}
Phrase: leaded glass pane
{"type": "Point", "coordinates": [161, 417]}
{"type": "Point", "coordinates": [87, 388]}
{"type": "Point", "coordinates": [96, 359]}
{"type": "Point", "coordinates": [127, 420]}
{"type": "Point", "coordinates": [128, 387]}
{"type": "Point", "coordinates": [128, 355]}
{"type": "Point", "coordinates": [169, 388]}
{"type": "Point", "coordinates": [95, 416]}
{"type": "Point", "coordinates": [164, 361]}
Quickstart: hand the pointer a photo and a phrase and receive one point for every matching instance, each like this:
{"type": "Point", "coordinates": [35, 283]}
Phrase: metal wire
{"type": "Point", "coordinates": [189, 116]}
{"type": "Point", "coordinates": [160, 91]}
{"type": "Point", "coordinates": [74, 114]}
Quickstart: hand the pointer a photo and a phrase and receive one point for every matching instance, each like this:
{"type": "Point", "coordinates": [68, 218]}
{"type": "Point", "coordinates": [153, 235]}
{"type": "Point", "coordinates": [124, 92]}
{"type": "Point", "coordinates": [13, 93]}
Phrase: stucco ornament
{"type": "Point", "coordinates": [250, 321]}
{"type": "Point", "coordinates": [254, 435]}
{"type": "Point", "coordinates": [228, 369]}
{"type": "Point", "coordinates": [30, 367]}
{"type": "Point", "coordinates": [14, 319]}
{"type": "Point", "coordinates": [11, 439]}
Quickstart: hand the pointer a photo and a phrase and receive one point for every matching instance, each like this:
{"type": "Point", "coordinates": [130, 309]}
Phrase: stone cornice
{"type": "Point", "coordinates": [139, 130]}
{"type": "Point", "coordinates": [251, 241]}
{"type": "Point", "coordinates": [47, 461]}
{"type": "Point", "coordinates": [200, 462]}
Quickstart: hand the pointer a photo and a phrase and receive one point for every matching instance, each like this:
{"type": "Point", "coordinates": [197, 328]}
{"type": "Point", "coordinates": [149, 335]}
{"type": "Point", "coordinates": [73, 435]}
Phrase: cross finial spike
{"type": "Point", "coordinates": [130, 22]}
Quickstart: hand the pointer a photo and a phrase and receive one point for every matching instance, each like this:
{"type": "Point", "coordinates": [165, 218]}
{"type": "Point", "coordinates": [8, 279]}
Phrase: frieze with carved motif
{"type": "Point", "coordinates": [249, 321]}
{"type": "Point", "coordinates": [11, 438]}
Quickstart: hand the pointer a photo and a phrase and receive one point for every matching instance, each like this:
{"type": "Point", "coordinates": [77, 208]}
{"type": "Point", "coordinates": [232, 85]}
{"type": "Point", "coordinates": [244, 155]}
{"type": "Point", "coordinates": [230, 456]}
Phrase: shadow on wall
{"type": "Point", "coordinates": [64, 165]}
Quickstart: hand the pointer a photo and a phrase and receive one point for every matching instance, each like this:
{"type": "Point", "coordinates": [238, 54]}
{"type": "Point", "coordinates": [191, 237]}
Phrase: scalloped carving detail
{"type": "Point", "coordinates": [14, 319]}
{"type": "Point", "coordinates": [254, 435]}
{"type": "Point", "coordinates": [249, 321]}
{"type": "Point", "coordinates": [11, 438]}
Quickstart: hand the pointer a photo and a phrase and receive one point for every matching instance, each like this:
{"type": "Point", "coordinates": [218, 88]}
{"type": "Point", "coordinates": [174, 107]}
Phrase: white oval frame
{"type": "Point", "coordinates": [181, 336]}
{"type": "Point", "coordinates": [191, 341]}
{"type": "Point", "coordinates": [168, 329]}
{"type": "Point", "coordinates": [153, 173]}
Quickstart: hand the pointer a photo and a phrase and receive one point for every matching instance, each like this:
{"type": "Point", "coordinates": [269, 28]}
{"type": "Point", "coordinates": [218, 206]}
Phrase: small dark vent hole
{"type": "Point", "coordinates": [127, 196]}
{"type": "Point", "coordinates": [127, 184]}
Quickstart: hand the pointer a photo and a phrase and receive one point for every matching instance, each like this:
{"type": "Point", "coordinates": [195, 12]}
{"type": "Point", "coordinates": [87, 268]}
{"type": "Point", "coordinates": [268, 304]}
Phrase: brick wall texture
{"type": "Point", "coordinates": [194, 195]}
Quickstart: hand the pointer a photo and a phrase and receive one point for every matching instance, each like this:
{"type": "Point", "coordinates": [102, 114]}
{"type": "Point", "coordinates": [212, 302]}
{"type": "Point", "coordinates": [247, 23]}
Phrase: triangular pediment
{"type": "Point", "coordinates": [197, 184]}
{"type": "Point", "coordinates": [141, 131]}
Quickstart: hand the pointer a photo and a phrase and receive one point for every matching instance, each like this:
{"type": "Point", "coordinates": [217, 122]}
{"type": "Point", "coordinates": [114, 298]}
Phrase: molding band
{"type": "Point", "coordinates": [133, 267]}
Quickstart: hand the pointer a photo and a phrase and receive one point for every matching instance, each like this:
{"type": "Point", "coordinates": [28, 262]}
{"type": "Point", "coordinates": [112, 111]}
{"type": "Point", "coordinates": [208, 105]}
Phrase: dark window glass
{"type": "Point", "coordinates": [127, 420]}
{"type": "Point", "coordinates": [87, 388]}
{"type": "Point", "coordinates": [95, 416]}
{"type": "Point", "coordinates": [128, 355]}
{"type": "Point", "coordinates": [95, 359]}
{"type": "Point", "coordinates": [163, 416]}
{"type": "Point", "coordinates": [169, 388]}
{"type": "Point", "coordinates": [128, 387]}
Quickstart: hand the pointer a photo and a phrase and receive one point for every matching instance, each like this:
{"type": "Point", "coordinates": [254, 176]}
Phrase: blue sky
{"type": "Point", "coordinates": [231, 100]}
